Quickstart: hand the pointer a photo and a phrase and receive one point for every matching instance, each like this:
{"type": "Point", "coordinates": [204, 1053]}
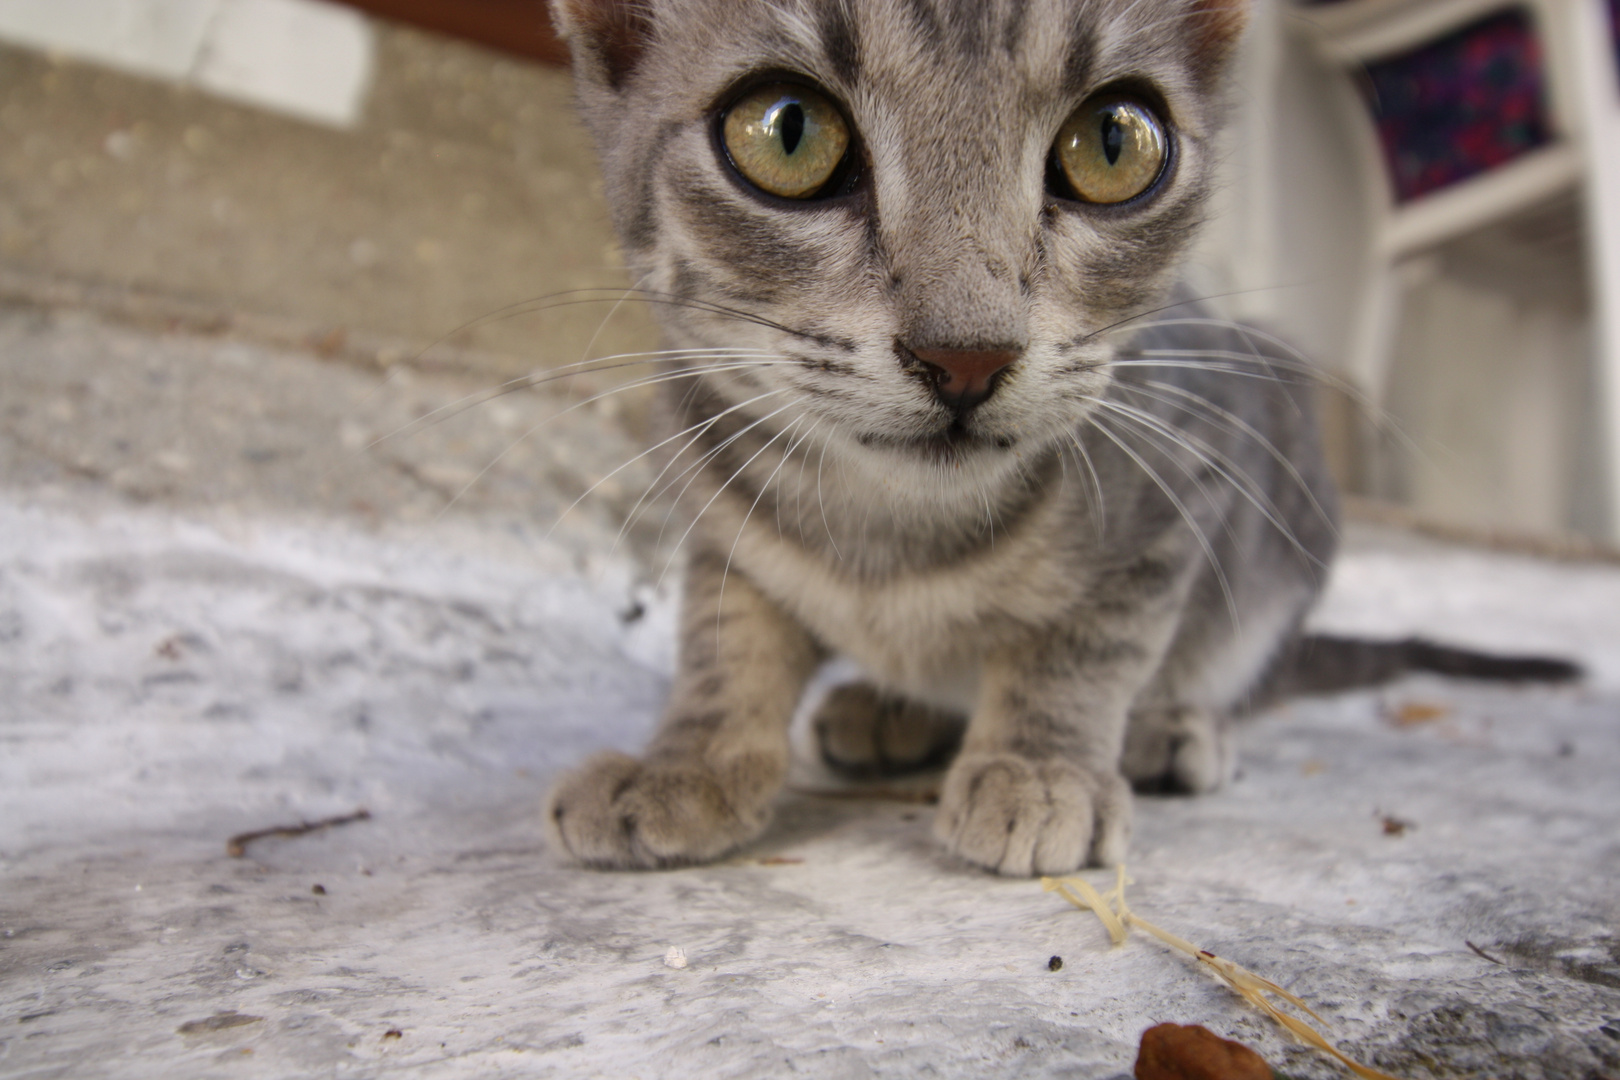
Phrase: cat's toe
{"type": "Point", "coordinates": [1020, 816]}
{"type": "Point", "coordinates": [619, 813]}
{"type": "Point", "coordinates": [864, 732]}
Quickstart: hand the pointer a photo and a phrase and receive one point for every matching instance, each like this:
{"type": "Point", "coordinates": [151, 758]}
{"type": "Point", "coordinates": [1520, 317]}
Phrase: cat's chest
{"type": "Point", "coordinates": [927, 629]}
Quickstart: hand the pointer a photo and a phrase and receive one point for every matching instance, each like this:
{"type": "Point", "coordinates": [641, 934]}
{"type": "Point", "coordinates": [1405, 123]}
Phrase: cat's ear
{"type": "Point", "coordinates": [1217, 26]}
{"type": "Point", "coordinates": [606, 37]}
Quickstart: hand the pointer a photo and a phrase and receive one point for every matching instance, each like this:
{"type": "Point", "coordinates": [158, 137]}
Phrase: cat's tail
{"type": "Point", "coordinates": [1328, 664]}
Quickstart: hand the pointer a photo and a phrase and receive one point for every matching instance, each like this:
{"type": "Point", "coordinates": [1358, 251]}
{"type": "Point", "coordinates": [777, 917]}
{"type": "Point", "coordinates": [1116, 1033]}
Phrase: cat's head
{"type": "Point", "coordinates": [928, 208]}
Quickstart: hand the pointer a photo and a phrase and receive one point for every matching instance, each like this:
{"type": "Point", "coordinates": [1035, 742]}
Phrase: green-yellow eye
{"type": "Point", "coordinates": [785, 139]}
{"type": "Point", "coordinates": [1111, 149]}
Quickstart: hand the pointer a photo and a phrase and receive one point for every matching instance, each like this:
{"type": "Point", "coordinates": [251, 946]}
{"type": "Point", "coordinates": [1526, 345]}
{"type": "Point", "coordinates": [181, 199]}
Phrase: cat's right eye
{"type": "Point", "coordinates": [1111, 149]}
{"type": "Point", "coordinates": [785, 139]}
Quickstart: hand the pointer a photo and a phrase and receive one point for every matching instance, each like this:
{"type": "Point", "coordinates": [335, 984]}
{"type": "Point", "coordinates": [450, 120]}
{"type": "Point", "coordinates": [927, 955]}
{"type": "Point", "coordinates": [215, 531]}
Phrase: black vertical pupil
{"type": "Point", "coordinates": [1113, 137]}
{"type": "Point", "coordinates": [791, 124]}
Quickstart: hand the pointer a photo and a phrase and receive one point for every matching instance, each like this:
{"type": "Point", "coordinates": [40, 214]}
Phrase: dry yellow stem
{"type": "Point", "coordinates": [1117, 917]}
{"type": "Point", "coordinates": [1088, 900]}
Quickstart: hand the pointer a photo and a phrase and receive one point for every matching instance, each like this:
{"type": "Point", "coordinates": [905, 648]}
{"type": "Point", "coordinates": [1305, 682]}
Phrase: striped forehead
{"type": "Point", "coordinates": [1053, 43]}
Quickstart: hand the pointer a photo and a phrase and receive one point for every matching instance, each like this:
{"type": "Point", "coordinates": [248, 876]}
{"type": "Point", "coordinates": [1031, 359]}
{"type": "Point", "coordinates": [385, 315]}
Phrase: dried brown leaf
{"type": "Point", "coordinates": [1418, 712]}
{"type": "Point", "coordinates": [1191, 1052]}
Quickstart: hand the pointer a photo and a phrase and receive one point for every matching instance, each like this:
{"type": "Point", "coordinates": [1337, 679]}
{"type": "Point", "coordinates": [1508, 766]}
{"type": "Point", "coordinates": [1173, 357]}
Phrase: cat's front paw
{"type": "Point", "coordinates": [1019, 816]}
{"type": "Point", "coordinates": [616, 812]}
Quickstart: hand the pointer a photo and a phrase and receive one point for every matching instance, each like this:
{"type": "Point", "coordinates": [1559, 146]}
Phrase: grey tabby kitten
{"type": "Point", "coordinates": [911, 245]}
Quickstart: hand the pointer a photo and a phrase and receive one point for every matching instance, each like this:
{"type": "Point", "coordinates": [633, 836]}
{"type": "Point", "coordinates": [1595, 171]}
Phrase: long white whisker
{"type": "Point", "coordinates": [692, 471]}
{"type": "Point", "coordinates": [1220, 324]}
{"type": "Point", "coordinates": [1096, 482]}
{"type": "Point", "coordinates": [798, 491]}
{"type": "Point", "coordinates": [1159, 440]}
{"type": "Point", "coordinates": [533, 379]}
{"type": "Point", "coordinates": [820, 461]}
{"type": "Point", "coordinates": [1241, 482]}
{"type": "Point", "coordinates": [989, 514]}
{"type": "Point", "coordinates": [1197, 405]}
{"type": "Point", "coordinates": [579, 297]}
{"type": "Point", "coordinates": [1186, 515]}
{"type": "Point", "coordinates": [725, 484]}
{"type": "Point", "coordinates": [1381, 418]}
{"type": "Point", "coordinates": [652, 380]}
{"type": "Point", "coordinates": [1204, 451]}
{"type": "Point", "coordinates": [697, 431]}
{"type": "Point", "coordinates": [787, 455]}
{"type": "Point", "coordinates": [452, 409]}
{"type": "Point", "coordinates": [705, 424]}
{"type": "Point", "coordinates": [1308, 373]}
{"type": "Point", "coordinates": [612, 311]}
{"type": "Point", "coordinates": [1293, 360]}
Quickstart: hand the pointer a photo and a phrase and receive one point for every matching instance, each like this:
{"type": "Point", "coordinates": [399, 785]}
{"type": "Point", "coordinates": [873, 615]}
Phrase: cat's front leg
{"type": "Point", "coordinates": [1037, 788]}
{"type": "Point", "coordinates": [706, 783]}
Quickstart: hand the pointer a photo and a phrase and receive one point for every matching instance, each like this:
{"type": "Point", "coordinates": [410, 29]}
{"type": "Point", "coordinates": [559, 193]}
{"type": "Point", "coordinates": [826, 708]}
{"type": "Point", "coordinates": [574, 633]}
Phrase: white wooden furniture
{"type": "Point", "coordinates": [1580, 163]}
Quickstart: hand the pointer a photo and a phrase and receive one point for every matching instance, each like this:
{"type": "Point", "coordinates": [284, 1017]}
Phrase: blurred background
{"type": "Point", "coordinates": [1425, 197]}
{"type": "Point", "coordinates": [246, 245]}
{"type": "Point", "coordinates": [1421, 195]}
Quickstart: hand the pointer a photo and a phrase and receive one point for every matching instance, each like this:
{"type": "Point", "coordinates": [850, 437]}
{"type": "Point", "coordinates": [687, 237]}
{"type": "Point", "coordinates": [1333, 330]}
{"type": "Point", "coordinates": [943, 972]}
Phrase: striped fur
{"type": "Point", "coordinates": [1115, 533]}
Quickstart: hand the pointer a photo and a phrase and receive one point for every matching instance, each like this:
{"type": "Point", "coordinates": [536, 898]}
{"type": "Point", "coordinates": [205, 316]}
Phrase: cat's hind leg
{"type": "Point", "coordinates": [1176, 748]}
{"type": "Point", "coordinates": [705, 785]}
{"type": "Point", "coordinates": [863, 731]}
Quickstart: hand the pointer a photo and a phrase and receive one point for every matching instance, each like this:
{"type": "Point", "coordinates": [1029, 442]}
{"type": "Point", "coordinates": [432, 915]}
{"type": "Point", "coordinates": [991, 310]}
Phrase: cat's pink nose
{"type": "Point", "coordinates": [964, 378]}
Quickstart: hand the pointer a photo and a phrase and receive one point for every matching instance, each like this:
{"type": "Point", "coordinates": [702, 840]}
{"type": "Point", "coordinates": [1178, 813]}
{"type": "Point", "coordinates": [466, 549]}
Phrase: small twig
{"type": "Point", "coordinates": [1110, 907]}
{"type": "Point", "coordinates": [1482, 952]}
{"type": "Point", "coordinates": [236, 846]}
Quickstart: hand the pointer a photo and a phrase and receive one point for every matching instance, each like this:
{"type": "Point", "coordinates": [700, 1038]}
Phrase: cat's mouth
{"type": "Point", "coordinates": [946, 446]}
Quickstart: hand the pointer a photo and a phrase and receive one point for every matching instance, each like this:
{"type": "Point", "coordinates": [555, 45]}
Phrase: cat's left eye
{"type": "Point", "coordinates": [1110, 150]}
{"type": "Point", "coordinates": [787, 140]}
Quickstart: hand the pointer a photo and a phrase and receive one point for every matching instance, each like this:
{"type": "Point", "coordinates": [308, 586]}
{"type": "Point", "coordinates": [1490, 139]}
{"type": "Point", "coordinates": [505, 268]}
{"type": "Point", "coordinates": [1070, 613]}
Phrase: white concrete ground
{"type": "Point", "coordinates": [176, 672]}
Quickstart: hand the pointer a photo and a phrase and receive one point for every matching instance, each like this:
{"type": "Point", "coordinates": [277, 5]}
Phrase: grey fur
{"type": "Point", "coordinates": [1130, 527]}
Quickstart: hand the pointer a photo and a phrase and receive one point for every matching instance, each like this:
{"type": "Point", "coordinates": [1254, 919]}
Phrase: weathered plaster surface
{"type": "Point", "coordinates": [259, 645]}
{"type": "Point", "coordinates": [171, 682]}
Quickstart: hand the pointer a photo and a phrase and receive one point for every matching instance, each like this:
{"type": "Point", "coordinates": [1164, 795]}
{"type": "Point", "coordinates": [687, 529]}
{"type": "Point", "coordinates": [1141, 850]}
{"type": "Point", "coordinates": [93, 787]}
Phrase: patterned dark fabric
{"type": "Point", "coordinates": [1460, 105]}
{"type": "Point", "coordinates": [1614, 29]}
